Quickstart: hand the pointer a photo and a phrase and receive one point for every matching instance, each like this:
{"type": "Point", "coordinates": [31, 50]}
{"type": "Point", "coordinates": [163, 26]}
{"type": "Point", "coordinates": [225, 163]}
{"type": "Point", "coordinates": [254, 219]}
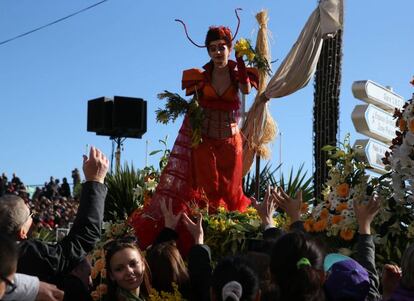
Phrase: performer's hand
{"type": "Point", "coordinates": [170, 220]}
{"type": "Point", "coordinates": [266, 208]}
{"type": "Point", "coordinates": [196, 229]}
{"type": "Point", "coordinates": [289, 205]}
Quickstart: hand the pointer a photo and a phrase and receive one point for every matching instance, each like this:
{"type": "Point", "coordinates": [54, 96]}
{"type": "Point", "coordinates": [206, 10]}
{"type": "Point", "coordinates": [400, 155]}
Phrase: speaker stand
{"type": "Point", "coordinates": [119, 145]}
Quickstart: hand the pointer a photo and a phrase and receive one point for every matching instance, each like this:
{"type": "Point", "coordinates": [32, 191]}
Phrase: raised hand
{"type": "Point", "coordinates": [290, 205]}
{"type": "Point", "coordinates": [267, 208]}
{"type": "Point", "coordinates": [391, 275]}
{"type": "Point", "coordinates": [365, 213]}
{"type": "Point", "coordinates": [95, 166]}
{"type": "Point", "coordinates": [170, 219]}
{"type": "Point", "coordinates": [196, 229]}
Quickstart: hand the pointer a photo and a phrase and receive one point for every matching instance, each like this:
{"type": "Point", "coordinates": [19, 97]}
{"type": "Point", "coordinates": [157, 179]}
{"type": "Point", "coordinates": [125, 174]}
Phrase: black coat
{"type": "Point", "coordinates": [52, 262]}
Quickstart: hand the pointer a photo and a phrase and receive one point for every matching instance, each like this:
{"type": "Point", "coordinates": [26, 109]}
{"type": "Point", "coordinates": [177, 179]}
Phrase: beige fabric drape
{"type": "Point", "coordinates": [293, 74]}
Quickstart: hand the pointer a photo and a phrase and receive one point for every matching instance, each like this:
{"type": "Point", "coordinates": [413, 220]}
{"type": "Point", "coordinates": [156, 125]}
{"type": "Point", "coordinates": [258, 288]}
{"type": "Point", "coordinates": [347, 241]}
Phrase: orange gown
{"type": "Point", "coordinates": [207, 175]}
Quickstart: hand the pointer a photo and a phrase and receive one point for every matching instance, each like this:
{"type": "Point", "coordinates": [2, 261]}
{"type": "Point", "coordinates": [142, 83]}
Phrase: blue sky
{"type": "Point", "coordinates": [134, 48]}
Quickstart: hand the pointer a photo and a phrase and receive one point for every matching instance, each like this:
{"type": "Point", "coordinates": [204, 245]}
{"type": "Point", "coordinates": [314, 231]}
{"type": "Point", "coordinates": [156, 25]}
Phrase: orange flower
{"type": "Point", "coordinates": [341, 206]}
{"type": "Point", "coordinates": [411, 125]}
{"type": "Point", "coordinates": [347, 234]}
{"type": "Point", "coordinates": [336, 219]}
{"type": "Point", "coordinates": [342, 190]}
{"type": "Point", "coordinates": [99, 264]}
{"type": "Point", "coordinates": [308, 225]}
{"type": "Point", "coordinates": [324, 213]}
{"type": "Point", "coordinates": [402, 124]}
{"type": "Point", "coordinates": [412, 81]}
{"type": "Point", "coordinates": [304, 208]}
{"type": "Point", "coordinates": [320, 225]}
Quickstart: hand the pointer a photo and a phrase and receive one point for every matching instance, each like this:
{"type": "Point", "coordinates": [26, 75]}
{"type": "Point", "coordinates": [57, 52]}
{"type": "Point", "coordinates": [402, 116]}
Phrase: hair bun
{"type": "Point", "coordinates": [232, 289]}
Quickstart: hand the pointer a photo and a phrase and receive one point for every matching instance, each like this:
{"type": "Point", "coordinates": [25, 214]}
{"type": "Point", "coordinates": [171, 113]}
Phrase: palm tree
{"type": "Point", "coordinates": [326, 106]}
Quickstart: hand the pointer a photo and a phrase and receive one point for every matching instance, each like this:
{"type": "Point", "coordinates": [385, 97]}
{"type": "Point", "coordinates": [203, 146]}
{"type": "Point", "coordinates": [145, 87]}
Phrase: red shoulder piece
{"type": "Point", "coordinates": [192, 79]}
{"type": "Point", "coordinates": [253, 76]}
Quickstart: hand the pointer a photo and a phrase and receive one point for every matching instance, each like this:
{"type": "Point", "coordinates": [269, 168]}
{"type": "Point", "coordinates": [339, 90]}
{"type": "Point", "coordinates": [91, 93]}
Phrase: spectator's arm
{"type": "Point", "coordinates": [87, 226]}
{"type": "Point", "coordinates": [365, 254]}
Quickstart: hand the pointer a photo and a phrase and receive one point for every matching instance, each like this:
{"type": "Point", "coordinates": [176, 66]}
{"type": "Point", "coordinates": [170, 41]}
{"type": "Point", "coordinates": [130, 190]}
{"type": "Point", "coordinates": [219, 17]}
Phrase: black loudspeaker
{"type": "Point", "coordinates": [121, 117]}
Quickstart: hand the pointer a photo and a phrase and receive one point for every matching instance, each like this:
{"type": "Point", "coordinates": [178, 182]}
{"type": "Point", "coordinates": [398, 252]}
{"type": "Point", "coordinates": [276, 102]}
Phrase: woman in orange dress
{"type": "Point", "coordinates": [209, 174]}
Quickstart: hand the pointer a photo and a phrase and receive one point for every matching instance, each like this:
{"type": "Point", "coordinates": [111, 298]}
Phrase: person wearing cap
{"type": "Point", "coordinates": [356, 280]}
{"type": "Point", "coordinates": [51, 262]}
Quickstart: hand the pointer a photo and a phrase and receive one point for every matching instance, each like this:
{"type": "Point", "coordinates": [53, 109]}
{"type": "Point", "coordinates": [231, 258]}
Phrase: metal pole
{"type": "Point", "coordinates": [118, 154]}
{"type": "Point", "coordinates": [257, 194]}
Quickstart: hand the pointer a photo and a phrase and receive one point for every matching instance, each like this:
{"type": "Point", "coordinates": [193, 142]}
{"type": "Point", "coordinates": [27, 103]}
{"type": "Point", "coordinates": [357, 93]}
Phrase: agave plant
{"type": "Point", "coordinates": [126, 189]}
{"type": "Point", "coordinates": [296, 181]}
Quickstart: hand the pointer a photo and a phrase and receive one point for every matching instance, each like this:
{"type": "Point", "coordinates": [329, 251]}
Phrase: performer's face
{"type": "Point", "coordinates": [219, 52]}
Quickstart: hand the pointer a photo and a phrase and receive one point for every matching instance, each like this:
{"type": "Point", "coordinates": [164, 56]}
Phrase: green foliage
{"type": "Point", "coordinates": [296, 181]}
{"type": "Point", "coordinates": [122, 198]}
{"type": "Point", "coordinates": [165, 154]}
{"type": "Point", "coordinates": [177, 106]}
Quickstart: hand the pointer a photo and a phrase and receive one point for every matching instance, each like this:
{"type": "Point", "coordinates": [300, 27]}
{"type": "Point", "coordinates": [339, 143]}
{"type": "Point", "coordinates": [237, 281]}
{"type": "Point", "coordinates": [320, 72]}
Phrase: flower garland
{"type": "Point", "coordinates": [347, 183]}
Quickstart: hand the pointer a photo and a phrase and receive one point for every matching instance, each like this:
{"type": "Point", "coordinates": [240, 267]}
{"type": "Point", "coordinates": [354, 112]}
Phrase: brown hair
{"type": "Point", "coordinates": [168, 266]}
{"type": "Point", "coordinates": [215, 33]}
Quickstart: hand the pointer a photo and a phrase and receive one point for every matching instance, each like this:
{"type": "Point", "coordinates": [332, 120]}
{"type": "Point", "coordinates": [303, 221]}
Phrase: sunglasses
{"type": "Point", "coordinates": [10, 286]}
{"type": "Point", "coordinates": [219, 47]}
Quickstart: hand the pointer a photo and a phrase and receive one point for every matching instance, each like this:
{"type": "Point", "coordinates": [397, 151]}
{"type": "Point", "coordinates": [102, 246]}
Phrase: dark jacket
{"type": "Point", "coordinates": [51, 262]}
{"type": "Point", "coordinates": [402, 294]}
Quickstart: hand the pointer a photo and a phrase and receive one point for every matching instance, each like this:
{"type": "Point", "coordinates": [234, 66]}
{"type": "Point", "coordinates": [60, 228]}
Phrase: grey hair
{"type": "Point", "coordinates": [407, 267]}
{"type": "Point", "coordinates": [12, 214]}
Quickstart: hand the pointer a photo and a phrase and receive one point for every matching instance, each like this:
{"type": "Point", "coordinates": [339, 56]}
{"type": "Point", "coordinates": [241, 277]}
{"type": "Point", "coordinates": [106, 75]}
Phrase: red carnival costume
{"type": "Point", "coordinates": [213, 168]}
{"type": "Point", "coordinates": [209, 174]}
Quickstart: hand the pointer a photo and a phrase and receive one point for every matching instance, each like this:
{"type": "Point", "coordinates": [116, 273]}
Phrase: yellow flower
{"type": "Point", "coordinates": [347, 234]}
{"type": "Point", "coordinates": [251, 211]}
{"type": "Point", "coordinates": [221, 209]}
{"type": "Point", "coordinates": [243, 47]}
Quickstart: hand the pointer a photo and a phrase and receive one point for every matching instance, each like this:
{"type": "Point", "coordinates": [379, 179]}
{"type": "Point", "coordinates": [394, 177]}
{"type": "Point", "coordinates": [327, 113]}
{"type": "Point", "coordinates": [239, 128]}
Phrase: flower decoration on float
{"type": "Point", "coordinates": [400, 158]}
{"type": "Point", "coordinates": [244, 48]}
{"type": "Point", "coordinates": [347, 183]}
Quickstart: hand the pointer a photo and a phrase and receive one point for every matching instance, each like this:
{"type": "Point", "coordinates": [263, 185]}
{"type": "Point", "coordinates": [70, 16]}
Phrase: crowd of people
{"type": "Point", "coordinates": [53, 205]}
{"type": "Point", "coordinates": [296, 265]}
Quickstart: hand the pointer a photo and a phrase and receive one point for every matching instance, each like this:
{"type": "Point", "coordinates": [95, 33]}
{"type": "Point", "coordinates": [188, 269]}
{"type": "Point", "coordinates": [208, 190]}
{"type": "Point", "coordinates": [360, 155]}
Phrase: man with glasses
{"type": "Point", "coordinates": [53, 262]}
